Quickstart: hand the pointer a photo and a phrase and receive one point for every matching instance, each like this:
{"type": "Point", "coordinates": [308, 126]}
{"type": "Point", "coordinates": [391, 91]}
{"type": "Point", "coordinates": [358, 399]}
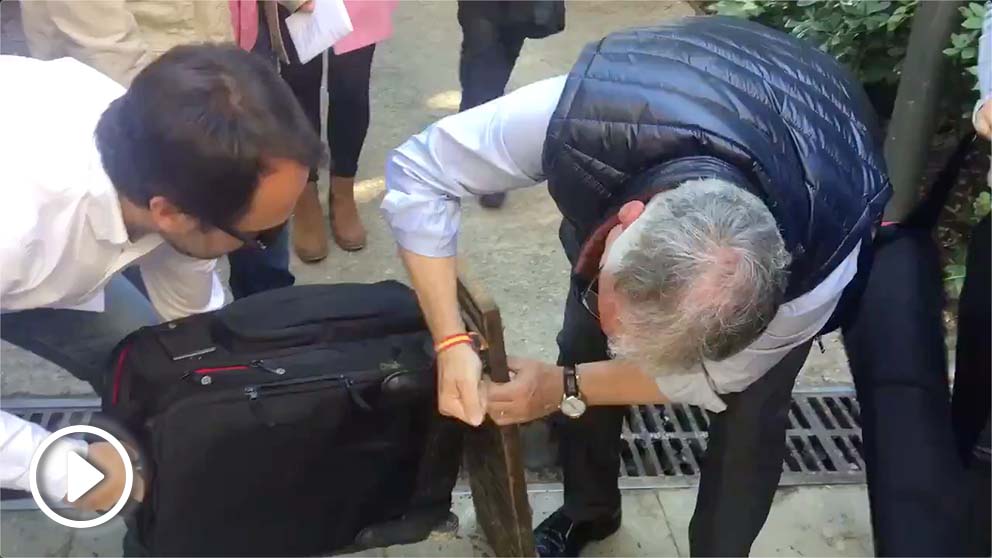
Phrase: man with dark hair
{"type": "Point", "coordinates": [121, 38]}
{"type": "Point", "coordinates": [205, 153]}
{"type": "Point", "coordinates": [204, 144]}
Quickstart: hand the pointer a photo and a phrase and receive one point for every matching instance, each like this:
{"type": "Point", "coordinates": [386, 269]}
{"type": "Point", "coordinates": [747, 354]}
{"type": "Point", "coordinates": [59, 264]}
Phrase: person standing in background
{"type": "Point", "coordinates": [971, 402]}
{"type": "Point", "coordinates": [119, 38]}
{"type": "Point", "coordinates": [493, 32]}
{"type": "Point", "coordinates": [349, 68]}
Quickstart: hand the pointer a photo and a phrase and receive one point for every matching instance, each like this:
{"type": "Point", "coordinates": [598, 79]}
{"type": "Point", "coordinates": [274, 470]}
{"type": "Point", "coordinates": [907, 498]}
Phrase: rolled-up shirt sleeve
{"type": "Point", "coordinates": [693, 387]}
{"type": "Point", "coordinates": [492, 148]}
{"type": "Point", "coordinates": [19, 440]}
{"type": "Point", "coordinates": [179, 285]}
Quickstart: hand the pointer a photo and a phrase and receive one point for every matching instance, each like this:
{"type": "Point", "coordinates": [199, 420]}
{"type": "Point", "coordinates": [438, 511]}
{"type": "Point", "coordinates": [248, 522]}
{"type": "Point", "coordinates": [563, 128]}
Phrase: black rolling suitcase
{"type": "Point", "coordinates": [300, 421]}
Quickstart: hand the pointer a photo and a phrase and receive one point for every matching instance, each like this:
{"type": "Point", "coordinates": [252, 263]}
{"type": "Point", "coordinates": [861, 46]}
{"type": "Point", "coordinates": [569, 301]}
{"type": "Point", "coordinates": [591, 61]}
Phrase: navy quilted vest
{"type": "Point", "coordinates": [719, 97]}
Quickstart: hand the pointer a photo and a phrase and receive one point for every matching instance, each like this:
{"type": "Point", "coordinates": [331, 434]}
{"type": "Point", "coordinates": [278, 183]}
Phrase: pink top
{"type": "Point", "coordinates": [244, 21]}
{"type": "Point", "coordinates": [372, 21]}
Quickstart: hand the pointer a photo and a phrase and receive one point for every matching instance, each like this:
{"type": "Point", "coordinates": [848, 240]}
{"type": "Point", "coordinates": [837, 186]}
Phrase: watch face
{"type": "Point", "coordinates": [573, 407]}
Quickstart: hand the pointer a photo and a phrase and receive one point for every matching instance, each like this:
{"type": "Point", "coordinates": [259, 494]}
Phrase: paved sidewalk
{"type": "Point", "coordinates": [815, 521]}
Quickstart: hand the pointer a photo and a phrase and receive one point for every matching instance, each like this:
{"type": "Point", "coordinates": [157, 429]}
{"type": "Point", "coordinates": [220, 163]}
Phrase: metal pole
{"type": "Point", "coordinates": [914, 117]}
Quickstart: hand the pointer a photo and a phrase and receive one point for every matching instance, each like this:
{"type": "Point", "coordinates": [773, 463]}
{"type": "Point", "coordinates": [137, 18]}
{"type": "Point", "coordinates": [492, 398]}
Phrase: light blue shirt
{"type": "Point", "coordinates": [494, 147]}
{"type": "Point", "coordinates": [498, 147]}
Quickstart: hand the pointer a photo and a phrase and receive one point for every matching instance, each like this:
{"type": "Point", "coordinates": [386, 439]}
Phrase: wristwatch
{"type": "Point", "coordinates": [572, 404]}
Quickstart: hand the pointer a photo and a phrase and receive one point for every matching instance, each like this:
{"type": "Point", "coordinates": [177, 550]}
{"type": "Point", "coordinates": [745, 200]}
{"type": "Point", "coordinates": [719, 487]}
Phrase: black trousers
{"type": "Point", "coordinates": [895, 348]}
{"type": "Point", "coordinates": [348, 111]}
{"type": "Point", "coordinates": [972, 379]}
{"type": "Point", "coordinates": [743, 462]}
{"type": "Point", "coordinates": [970, 406]}
{"type": "Point", "coordinates": [490, 48]}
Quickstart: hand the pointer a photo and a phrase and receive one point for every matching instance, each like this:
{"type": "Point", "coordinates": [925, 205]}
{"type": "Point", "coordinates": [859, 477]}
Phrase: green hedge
{"type": "Point", "coordinates": [870, 37]}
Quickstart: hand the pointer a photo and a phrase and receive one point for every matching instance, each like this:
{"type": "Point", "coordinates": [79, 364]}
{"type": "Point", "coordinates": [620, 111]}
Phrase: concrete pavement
{"type": "Point", "coordinates": [821, 521]}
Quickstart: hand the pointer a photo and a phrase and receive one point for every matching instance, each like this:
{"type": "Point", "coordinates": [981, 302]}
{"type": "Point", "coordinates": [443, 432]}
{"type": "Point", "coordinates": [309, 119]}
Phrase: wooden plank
{"type": "Point", "coordinates": [492, 453]}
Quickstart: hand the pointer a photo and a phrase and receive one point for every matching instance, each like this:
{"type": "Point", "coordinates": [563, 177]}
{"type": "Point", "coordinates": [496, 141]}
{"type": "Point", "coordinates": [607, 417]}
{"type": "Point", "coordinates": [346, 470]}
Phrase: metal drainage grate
{"type": "Point", "coordinates": [664, 445]}
{"type": "Point", "coordinates": [53, 413]}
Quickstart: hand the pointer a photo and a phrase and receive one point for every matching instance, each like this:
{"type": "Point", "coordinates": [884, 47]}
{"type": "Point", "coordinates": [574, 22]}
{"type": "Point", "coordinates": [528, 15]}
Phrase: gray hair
{"type": "Point", "coordinates": [700, 274]}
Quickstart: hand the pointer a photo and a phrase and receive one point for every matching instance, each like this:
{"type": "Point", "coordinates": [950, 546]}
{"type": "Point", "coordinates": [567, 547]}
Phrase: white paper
{"type": "Point", "coordinates": [317, 31]}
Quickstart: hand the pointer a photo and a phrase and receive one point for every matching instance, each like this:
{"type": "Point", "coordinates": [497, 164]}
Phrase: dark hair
{"type": "Point", "coordinates": [197, 127]}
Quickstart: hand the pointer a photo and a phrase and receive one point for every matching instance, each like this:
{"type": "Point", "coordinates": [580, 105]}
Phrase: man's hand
{"type": "Point", "coordinates": [104, 495]}
{"type": "Point", "coordinates": [983, 120]}
{"type": "Point", "coordinates": [460, 393]}
{"type": "Point", "coordinates": [534, 391]}
{"type": "Point", "coordinates": [306, 7]}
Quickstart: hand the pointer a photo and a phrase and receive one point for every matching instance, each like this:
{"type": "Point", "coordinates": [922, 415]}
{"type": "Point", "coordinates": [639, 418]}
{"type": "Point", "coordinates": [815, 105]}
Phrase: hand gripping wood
{"type": "Point", "coordinates": [492, 453]}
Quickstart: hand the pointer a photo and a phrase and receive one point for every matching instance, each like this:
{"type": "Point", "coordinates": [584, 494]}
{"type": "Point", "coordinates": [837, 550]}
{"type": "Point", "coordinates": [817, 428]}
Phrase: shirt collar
{"type": "Point", "coordinates": [106, 219]}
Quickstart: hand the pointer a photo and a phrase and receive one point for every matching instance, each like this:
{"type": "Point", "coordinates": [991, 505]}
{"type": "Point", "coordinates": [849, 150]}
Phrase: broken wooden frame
{"type": "Point", "coordinates": [492, 453]}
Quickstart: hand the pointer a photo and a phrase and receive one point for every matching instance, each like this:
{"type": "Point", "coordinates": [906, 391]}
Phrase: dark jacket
{"type": "Point", "coordinates": [533, 19]}
{"type": "Point", "coordinates": [721, 97]}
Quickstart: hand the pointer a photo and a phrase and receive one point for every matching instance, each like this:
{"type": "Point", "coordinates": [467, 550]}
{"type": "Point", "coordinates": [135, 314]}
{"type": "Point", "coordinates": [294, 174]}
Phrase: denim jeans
{"type": "Point", "coordinates": [254, 271]}
{"type": "Point", "coordinates": [81, 342]}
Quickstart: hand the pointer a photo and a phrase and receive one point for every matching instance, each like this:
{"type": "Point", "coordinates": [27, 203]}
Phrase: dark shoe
{"type": "Point", "coordinates": [492, 201]}
{"type": "Point", "coordinates": [411, 528]}
{"type": "Point", "coordinates": [560, 536]}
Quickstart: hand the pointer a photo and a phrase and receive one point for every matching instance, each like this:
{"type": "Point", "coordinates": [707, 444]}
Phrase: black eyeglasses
{"type": "Point", "coordinates": [257, 241]}
{"type": "Point", "coordinates": [590, 298]}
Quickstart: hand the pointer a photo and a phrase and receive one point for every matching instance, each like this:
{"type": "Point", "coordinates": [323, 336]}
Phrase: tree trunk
{"type": "Point", "coordinates": [914, 118]}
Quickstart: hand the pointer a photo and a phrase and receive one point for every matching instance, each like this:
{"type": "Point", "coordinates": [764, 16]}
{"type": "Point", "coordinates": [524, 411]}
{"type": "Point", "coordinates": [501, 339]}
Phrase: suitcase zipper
{"type": "Point", "coordinates": [256, 391]}
{"type": "Point", "coordinates": [260, 364]}
{"type": "Point", "coordinates": [212, 370]}
{"type": "Point", "coordinates": [206, 377]}
{"type": "Point", "coordinates": [256, 364]}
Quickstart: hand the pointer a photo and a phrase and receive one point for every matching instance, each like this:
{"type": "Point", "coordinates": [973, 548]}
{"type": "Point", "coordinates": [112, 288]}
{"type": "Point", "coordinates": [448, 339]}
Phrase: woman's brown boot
{"type": "Point", "coordinates": [346, 225]}
{"type": "Point", "coordinates": [309, 234]}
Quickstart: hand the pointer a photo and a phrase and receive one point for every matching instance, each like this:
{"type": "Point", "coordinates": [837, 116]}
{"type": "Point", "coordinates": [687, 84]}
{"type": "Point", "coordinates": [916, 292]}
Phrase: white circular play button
{"type": "Point", "coordinates": [81, 476]}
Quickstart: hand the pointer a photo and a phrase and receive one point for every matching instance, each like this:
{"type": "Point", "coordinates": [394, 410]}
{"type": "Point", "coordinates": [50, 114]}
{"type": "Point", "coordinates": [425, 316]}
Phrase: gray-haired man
{"type": "Point", "coordinates": [719, 183]}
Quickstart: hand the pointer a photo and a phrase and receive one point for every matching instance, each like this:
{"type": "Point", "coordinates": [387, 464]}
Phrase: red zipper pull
{"type": "Point", "coordinates": [203, 375]}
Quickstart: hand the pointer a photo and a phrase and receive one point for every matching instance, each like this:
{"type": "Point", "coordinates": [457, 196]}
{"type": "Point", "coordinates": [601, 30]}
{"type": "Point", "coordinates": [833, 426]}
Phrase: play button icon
{"type": "Point", "coordinates": [82, 476]}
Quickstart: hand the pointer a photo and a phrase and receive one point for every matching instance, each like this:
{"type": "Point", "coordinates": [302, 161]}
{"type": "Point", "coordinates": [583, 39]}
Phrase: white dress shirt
{"type": "Point", "coordinates": [497, 147]}
{"type": "Point", "coordinates": [62, 236]}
